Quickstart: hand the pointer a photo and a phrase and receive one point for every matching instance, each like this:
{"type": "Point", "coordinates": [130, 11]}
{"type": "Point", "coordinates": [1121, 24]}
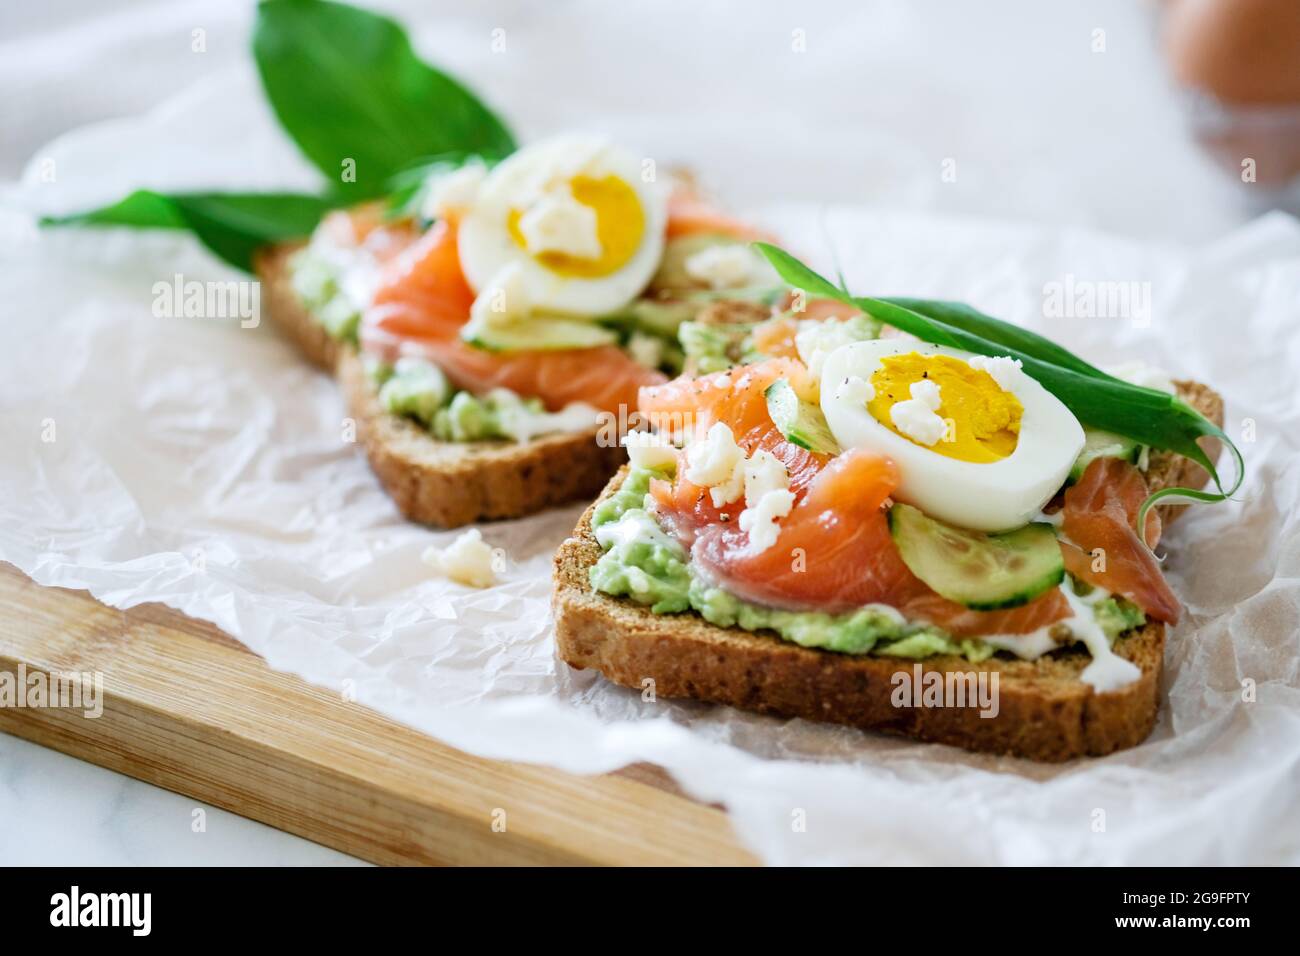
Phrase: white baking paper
{"type": "Point", "coordinates": [204, 465]}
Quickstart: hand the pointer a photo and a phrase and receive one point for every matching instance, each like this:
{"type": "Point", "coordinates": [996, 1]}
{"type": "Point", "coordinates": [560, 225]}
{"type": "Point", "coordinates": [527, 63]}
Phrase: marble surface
{"type": "Point", "coordinates": [1049, 151]}
{"type": "Point", "coordinates": [55, 810]}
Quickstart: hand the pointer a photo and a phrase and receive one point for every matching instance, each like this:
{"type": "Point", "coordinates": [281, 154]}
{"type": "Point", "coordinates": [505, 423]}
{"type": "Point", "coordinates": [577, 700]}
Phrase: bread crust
{"type": "Point", "coordinates": [445, 484]}
{"type": "Point", "coordinates": [1045, 712]}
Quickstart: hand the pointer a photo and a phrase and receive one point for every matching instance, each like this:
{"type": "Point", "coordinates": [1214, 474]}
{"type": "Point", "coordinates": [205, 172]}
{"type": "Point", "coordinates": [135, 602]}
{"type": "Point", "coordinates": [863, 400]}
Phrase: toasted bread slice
{"type": "Point", "coordinates": [446, 484]}
{"type": "Point", "coordinates": [1045, 712]}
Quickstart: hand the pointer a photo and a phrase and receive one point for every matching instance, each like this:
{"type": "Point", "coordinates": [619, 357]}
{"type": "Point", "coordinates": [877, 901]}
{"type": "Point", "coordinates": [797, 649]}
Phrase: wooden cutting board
{"type": "Point", "coordinates": [188, 708]}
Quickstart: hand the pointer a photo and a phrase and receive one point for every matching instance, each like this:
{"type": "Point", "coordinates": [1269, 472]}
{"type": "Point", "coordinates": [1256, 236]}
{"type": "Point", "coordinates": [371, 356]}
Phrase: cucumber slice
{"type": "Point", "coordinates": [985, 572]}
{"type": "Point", "coordinates": [1100, 444]}
{"type": "Point", "coordinates": [538, 333]}
{"type": "Point", "coordinates": [802, 423]}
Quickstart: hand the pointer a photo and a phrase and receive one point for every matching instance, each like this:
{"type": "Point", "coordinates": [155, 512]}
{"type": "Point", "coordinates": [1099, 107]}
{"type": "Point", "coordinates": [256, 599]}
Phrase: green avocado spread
{"type": "Point", "coordinates": [642, 562]}
{"type": "Point", "coordinates": [416, 389]}
{"type": "Point", "coordinates": [315, 282]}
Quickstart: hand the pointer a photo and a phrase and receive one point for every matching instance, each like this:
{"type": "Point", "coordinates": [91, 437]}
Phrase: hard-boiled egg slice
{"type": "Point", "coordinates": [575, 215]}
{"type": "Point", "coordinates": [978, 443]}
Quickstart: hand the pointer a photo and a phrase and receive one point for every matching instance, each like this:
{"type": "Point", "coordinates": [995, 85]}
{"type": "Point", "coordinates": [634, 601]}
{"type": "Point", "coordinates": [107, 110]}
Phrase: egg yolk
{"type": "Point", "coordinates": [620, 224]}
{"type": "Point", "coordinates": [984, 420]}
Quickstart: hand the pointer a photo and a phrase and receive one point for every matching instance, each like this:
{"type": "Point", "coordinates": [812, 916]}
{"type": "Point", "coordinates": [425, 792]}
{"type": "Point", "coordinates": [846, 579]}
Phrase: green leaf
{"type": "Point", "coordinates": [143, 208]}
{"type": "Point", "coordinates": [1145, 415]}
{"type": "Point", "coordinates": [232, 225]}
{"type": "Point", "coordinates": [346, 85]}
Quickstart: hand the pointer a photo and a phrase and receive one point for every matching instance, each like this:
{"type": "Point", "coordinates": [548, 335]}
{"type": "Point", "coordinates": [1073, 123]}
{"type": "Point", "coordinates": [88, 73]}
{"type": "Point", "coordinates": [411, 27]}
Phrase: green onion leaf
{"type": "Point", "coordinates": [1013, 336]}
{"type": "Point", "coordinates": [1145, 415]}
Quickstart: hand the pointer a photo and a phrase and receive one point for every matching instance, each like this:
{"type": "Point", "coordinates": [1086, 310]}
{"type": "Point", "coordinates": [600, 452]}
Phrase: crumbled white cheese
{"type": "Point", "coordinates": [468, 560]}
{"type": "Point", "coordinates": [761, 520]}
{"type": "Point", "coordinates": [1137, 372]}
{"type": "Point", "coordinates": [1004, 369]}
{"type": "Point", "coordinates": [723, 266]}
{"type": "Point", "coordinates": [916, 418]}
{"type": "Point", "coordinates": [926, 391]}
{"type": "Point", "coordinates": [505, 299]}
{"type": "Point", "coordinates": [649, 450]}
{"type": "Point", "coordinates": [451, 194]}
{"type": "Point", "coordinates": [717, 463]}
{"type": "Point", "coordinates": [856, 390]}
{"type": "Point", "coordinates": [818, 338]}
{"type": "Point", "coordinates": [559, 223]}
{"type": "Point", "coordinates": [522, 423]}
{"type": "Point", "coordinates": [764, 472]}
{"type": "Point", "coordinates": [767, 499]}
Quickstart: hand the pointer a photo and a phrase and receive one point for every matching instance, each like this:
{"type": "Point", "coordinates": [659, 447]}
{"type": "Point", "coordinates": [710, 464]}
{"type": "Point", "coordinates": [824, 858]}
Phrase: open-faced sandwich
{"type": "Point", "coordinates": [889, 497]}
{"type": "Point", "coordinates": [492, 334]}
{"type": "Point", "coordinates": [490, 311]}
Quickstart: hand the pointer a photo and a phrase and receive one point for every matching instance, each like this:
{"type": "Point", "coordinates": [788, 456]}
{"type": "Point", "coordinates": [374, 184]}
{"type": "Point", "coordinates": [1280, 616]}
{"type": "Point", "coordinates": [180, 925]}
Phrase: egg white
{"type": "Point", "coordinates": [486, 247]}
{"type": "Point", "coordinates": [994, 496]}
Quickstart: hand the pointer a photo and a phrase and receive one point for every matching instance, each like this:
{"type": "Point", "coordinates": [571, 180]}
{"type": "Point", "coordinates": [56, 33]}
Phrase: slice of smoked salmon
{"type": "Point", "coordinates": [1104, 549]}
{"type": "Point", "coordinates": [735, 396]}
{"type": "Point", "coordinates": [423, 292]}
{"type": "Point", "coordinates": [833, 553]}
{"type": "Point", "coordinates": [1046, 609]}
{"type": "Point", "coordinates": [424, 300]}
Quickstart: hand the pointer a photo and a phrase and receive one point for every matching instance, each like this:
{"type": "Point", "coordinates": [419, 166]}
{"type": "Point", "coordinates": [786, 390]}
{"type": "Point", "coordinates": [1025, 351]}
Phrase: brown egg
{"type": "Point", "coordinates": [1240, 51]}
{"type": "Point", "coordinates": [1244, 57]}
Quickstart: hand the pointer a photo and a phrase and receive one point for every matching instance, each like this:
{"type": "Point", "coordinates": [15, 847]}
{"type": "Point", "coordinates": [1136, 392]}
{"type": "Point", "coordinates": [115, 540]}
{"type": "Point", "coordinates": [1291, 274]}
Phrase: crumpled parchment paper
{"type": "Point", "coordinates": [203, 465]}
